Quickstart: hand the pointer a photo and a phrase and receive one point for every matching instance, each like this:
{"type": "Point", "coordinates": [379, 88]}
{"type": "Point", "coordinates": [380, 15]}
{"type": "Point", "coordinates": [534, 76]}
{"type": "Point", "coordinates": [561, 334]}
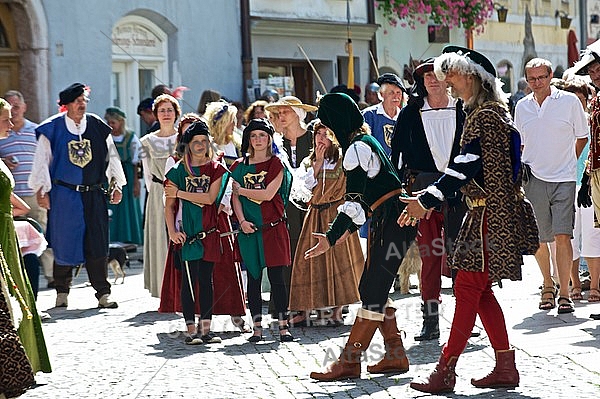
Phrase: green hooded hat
{"type": "Point", "coordinates": [340, 113]}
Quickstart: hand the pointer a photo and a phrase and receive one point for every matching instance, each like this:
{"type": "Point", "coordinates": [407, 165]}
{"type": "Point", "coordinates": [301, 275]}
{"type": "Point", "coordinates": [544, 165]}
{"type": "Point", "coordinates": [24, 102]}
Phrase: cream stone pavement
{"type": "Point", "coordinates": [136, 352]}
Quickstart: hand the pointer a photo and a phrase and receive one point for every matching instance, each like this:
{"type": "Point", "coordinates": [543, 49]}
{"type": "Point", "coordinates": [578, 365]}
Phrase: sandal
{"type": "Point", "coordinates": [285, 337]}
{"type": "Point", "coordinates": [547, 303]}
{"type": "Point", "coordinates": [575, 294]}
{"type": "Point", "coordinates": [594, 295]}
{"type": "Point", "coordinates": [256, 338]}
{"type": "Point", "coordinates": [240, 323]}
{"type": "Point", "coordinates": [565, 305]}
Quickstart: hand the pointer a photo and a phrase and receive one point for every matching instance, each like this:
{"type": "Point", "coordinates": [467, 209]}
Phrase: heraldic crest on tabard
{"type": "Point", "coordinates": [255, 181]}
{"type": "Point", "coordinates": [388, 134]}
{"type": "Point", "coordinates": [80, 152]}
{"type": "Point", "coordinates": [197, 184]}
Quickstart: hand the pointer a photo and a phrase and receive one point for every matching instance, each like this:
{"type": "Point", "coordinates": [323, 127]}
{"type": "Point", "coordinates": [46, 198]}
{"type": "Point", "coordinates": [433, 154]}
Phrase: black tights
{"type": "Point", "coordinates": [200, 272]}
{"type": "Point", "coordinates": [278, 294]}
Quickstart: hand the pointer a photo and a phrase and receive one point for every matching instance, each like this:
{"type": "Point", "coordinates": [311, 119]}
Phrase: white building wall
{"type": "Point", "coordinates": [204, 45]}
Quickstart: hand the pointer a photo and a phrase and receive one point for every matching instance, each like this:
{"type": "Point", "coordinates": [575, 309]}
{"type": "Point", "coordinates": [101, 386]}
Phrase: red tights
{"type": "Point", "coordinates": [474, 296]}
{"type": "Point", "coordinates": [431, 249]}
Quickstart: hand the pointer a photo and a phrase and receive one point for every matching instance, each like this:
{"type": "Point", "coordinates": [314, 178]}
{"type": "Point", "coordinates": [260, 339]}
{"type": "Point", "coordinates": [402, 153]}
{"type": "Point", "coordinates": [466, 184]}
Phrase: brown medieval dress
{"type": "Point", "coordinates": [330, 279]}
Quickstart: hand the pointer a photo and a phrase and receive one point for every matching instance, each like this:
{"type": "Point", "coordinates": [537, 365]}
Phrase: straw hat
{"type": "Point", "coordinates": [290, 101]}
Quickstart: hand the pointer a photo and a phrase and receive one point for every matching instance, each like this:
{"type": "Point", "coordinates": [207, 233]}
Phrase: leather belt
{"type": "Point", "coordinates": [81, 188]}
{"type": "Point", "coordinates": [200, 235]}
{"type": "Point", "coordinates": [384, 198]}
{"type": "Point", "coordinates": [324, 206]}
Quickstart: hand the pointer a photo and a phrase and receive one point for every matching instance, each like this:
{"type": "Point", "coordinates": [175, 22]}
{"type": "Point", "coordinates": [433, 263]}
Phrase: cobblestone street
{"type": "Point", "coordinates": [136, 352]}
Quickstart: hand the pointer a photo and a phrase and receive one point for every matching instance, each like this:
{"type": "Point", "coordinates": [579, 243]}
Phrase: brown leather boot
{"type": "Point", "coordinates": [348, 364]}
{"type": "Point", "coordinates": [394, 360]}
{"type": "Point", "coordinates": [442, 379]}
{"type": "Point", "coordinates": [504, 374]}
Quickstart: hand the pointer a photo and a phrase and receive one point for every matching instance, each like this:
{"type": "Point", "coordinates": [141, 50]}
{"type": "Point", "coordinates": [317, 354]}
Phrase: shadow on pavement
{"type": "Point", "coordinates": [71, 314]}
{"type": "Point", "coordinates": [541, 322]}
{"type": "Point", "coordinates": [150, 317]}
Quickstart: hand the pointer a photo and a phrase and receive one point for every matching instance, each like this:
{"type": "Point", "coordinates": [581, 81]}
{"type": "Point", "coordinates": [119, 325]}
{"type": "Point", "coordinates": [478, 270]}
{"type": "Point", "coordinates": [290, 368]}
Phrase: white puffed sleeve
{"type": "Point", "coordinates": [354, 211]}
{"type": "Point", "coordinates": [360, 154]}
{"type": "Point", "coordinates": [114, 170]}
{"type": "Point", "coordinates": [39, 179]}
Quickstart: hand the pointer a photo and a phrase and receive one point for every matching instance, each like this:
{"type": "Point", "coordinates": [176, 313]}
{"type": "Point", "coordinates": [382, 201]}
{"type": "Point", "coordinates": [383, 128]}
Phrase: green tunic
{"type": "Point", "coordinates": [126, 219]}
{"type": "Point", "coordinates": [196, 219]}
{"type": "Point", "coordinates": [269, 246]}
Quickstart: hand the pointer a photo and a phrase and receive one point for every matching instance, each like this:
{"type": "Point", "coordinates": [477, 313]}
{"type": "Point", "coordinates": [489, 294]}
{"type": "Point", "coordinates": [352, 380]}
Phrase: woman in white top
{"type": "Point", "coordinates": [157, 147]}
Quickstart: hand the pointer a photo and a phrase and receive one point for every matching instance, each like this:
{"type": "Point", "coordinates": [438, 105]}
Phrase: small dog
{"type": "Point", "coordinates": [117, 260]}
{"type": "Point", "coordinates": [411, 264]}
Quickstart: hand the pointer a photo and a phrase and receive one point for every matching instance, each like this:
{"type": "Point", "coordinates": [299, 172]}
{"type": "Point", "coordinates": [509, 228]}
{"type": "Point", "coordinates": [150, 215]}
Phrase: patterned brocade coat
{"type": "Point", "coordinates": [511, 227]}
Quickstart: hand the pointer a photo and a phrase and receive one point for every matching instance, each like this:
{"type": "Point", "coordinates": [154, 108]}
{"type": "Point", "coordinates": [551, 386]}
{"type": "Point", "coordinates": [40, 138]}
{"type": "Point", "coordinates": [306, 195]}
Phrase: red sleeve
{"type": "Point", "coordinates": [235, 164]}
{"type": "Point", "coordinates": [275, 166]}
{"type": "Point", "coordinates": [218, 170]}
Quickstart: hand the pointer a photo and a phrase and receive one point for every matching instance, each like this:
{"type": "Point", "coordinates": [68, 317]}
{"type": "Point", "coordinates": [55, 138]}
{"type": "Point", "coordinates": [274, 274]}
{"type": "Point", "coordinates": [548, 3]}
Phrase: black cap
{"type": "Point", "coordinates": [145, 105]}
{"type": "Point", "coordinates": [474, 56]}
{"type": "Point", "coordinates": [425, 66]}
{"type": "Point", "coordinates": [195, 129]}
{"type": "Point", "coordinates": [391, 78]}
{"type": "Point", "coordinates": [71, 93]}
{"type": "Point", "coordinates": [255, 124]}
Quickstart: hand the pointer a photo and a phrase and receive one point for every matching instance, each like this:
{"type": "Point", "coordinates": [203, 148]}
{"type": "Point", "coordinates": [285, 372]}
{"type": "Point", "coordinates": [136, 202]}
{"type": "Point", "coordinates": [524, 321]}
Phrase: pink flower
{"type": "Point", "coordinates": [469, 14]}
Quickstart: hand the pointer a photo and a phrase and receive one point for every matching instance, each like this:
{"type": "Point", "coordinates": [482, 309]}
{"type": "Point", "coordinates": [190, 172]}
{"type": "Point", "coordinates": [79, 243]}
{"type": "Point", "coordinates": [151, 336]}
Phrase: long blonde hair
{"type": "Point", "coordinates": [219, 116]}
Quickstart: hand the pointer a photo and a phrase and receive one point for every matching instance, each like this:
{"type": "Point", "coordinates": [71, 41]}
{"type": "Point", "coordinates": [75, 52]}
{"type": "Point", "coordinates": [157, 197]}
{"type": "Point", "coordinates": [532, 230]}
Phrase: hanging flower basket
{"type": "Point", "coordinates": [468, 14]}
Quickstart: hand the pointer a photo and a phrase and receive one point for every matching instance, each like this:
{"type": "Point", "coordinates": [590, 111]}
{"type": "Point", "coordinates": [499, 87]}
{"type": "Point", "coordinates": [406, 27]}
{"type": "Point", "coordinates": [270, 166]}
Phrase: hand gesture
{"type": "Point", "coordinates": [248, 227]}
{"type": "Point", "coordinates": [9, 162]}
{"type": "Point", "coordinates": [116, 196]}
{"type": "Point", "coordinates": [320, 152]}
{"type": "Point", "coordinates": [43, 200]}
{"type": "Point", "coordinates": [178, 237]}
{"type": "Point", "coordinates": [583, 197]}
{"type": "Point", "coordinates": [319, 249]}
{"type": "Point", "coordinates": [412, 213]}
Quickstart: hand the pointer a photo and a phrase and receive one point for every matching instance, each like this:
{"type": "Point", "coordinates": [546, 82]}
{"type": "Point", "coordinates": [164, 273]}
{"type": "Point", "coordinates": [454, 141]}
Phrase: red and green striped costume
{"type": "Point", "coordinates": [269, 246]}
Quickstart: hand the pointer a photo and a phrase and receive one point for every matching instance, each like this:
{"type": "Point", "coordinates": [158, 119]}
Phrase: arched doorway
{"type": "Point", "coordinates": [24, 55]}
{"type": "Point", "coordinates": [139, 62]}
{"type": "Point", "coordinates": [9, 53]}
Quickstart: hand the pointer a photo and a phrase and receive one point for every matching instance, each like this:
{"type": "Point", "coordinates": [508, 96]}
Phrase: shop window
{"type": "Point", "coordinates": [287, 78]}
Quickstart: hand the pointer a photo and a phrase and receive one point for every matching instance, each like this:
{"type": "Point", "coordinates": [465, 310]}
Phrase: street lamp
{"type": "Point", "coordinates": [502, 12]}
{"type": "Point", "coordinates": [565, 20]}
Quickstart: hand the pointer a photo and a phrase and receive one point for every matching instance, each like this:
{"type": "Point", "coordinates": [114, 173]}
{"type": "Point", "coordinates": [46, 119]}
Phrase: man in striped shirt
{"type": "Point", "coordinates": [17, 152]}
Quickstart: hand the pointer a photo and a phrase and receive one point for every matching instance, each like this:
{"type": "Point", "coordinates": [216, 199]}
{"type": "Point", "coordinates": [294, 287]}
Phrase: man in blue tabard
{"type": "Point", "coordinates": [74, 161]}
{"type": "Point", "coordinates": [382, 117]}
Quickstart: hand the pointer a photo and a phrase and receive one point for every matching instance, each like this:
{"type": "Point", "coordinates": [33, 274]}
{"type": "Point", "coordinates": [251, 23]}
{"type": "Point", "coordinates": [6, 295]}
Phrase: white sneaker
{"type": "Point", "coordinates": [105, 302]}
{"type": "Point", "coordinates": [62, 300]}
